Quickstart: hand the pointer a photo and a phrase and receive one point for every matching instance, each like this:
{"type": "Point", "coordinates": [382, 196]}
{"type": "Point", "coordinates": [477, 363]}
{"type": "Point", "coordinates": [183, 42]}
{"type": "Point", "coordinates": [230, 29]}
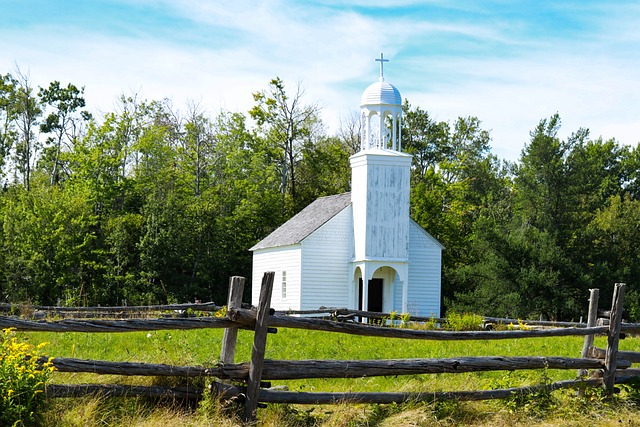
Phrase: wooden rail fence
{"type": "Point", "coordinates": [596, 367]}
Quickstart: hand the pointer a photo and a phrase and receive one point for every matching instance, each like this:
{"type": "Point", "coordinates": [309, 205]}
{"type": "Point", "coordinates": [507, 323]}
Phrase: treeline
{"type": "Point", "coordinates": [150, 204]}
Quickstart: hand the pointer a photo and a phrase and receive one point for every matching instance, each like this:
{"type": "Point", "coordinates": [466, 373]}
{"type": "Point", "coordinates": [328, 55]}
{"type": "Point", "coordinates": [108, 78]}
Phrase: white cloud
{"type": "Point", "coordinates": [235, 48]}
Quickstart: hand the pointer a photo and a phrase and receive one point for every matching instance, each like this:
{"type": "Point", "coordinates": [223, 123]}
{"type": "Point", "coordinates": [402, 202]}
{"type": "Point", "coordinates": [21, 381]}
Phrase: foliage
{"type": "Point", "coordinates": [287, 128]}
{"type": "Point", "coordinates": [148, 204]}
{"type": "Point", "coordinates": [22, 381]}
{"type": "Point", "coordinates": [61, 123]}
{"type": "Point", "coordinates": [539, 250]}
{"type": "Point", "coordinates": [535, 402]}
{"type": "Point", "coordinates": [463, 321]}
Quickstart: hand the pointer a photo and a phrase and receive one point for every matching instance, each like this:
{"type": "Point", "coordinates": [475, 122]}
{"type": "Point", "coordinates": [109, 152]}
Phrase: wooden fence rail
{"type": "Point", "coordinates": [608, 366]}
{"type": "Point", "coordinates": [306, 369]}
{"type": "Point", "coordinates": [349, 314]}
{"type": "Point", "coordinates": [248, 318]}
{"type": "Point", "coordinates": [125, 325]}
{"type": "Point", "coordinates": [206, 306]}
{"type": "Point", "coordinates": [245, 318]}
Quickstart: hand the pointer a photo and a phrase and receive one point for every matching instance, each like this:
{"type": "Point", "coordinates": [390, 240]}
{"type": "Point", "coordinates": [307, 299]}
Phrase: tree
{"type": "Point", "coordinates": [287, 125]}
{"type": "Point", "coordinates": [542, 179]}
{"type": "Point", "coordinates": [197, 149]}
{"type": "Point", "coordinates": [7, 111]}
{"type": "Point", "coordinates": [454, 178]}
{"type": "Point", "coordinates": [424, 138]}
{"type": "Point", "coordinates": [324, 170]}
{"type": "Point", "coordinates": [26, 112]}
{"type": "Point", "coordinates": [519, 272]}
{"type": "Point", "coordinates": [615, 236]}
{"type": "Point", "coordinates": [54, 254]}
{"type": "Point", "coordinates": [545, 246]}
{"type": "Point", "coordinates": [350, 132]}
{"type": "Point", "coordinates": [62, 123]}
{"type": "Point", "coordinates": [248, 196]}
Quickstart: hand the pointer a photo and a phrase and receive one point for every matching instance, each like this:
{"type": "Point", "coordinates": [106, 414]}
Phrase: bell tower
{"type": "Point", "coordinates": [380, 175]}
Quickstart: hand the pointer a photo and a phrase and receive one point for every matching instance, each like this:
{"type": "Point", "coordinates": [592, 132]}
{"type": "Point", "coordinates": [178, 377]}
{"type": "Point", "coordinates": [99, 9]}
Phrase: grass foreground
{"type": "Point", "coordinates": [202, 347]}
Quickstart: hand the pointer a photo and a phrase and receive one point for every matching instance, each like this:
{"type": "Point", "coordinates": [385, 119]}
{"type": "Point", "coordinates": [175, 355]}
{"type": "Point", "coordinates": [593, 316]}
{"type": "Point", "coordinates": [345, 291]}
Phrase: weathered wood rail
{"type": "Point", "coordinates": [206, 306]}
{"type": "Point", "coordinates": [305, 369]}
{"type": "Point", "coordinates": [607, 366]}
{"type": "Point", "coordinates": [350, 314]}
{"type": "Point", "coordinates": [167, 310]}
{"type": "Point", "coordinates": [125, 325]}
{"type": "Point", "coordinates": [247, 318]}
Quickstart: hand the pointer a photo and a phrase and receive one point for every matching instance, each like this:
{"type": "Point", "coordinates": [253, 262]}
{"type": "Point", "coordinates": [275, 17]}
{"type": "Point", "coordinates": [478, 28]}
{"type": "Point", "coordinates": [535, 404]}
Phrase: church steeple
{"type": "Point", "coordinates": [380, 196]}
{"type": "Point", "coordinates": [380, 177]}
{"type": "Point", "coordinates": [381, 105]}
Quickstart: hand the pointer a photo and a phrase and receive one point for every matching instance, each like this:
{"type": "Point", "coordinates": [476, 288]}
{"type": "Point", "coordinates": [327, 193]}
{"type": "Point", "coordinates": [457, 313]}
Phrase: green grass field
{"type": "Point", "coordinates": [202, 347]}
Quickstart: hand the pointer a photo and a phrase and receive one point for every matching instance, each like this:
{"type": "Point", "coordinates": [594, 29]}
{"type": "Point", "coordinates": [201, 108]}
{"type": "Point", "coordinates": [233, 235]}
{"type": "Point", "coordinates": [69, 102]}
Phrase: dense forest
{"type": "Point", "coordinates": [149, 203]}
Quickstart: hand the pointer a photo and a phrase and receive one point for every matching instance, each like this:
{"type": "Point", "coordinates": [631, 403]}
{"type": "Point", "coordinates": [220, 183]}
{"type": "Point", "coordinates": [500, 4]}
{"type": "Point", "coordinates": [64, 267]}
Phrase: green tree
{"type": "Point", "coordinates": [541, 247]}
{"type": "Point", "coordinates": [324, 170]}
{"type": "Point", "coordinates": [519, 273]}
{"type": "Point", "coordinates": [25, 113]}
{"type": "Point", "coordinates": [196, 150]}
{"type": "Point", "coordinates": [48, 245]}
{"type": "Point", "coordinates": [247, 188]}
{"type": "Point", "coordinates": [424, 138]}
{"type": "Point", "coordinates": [542, 179]}
{"type": "Point", "coordinates": [7, 112]}
{"type": "Point", "coordinates": [287, 125]}
{"type": "Point", "coordinates": [615, 236]}
{"type": "Point", "coordinates": [62, 123]}
{"type": "Point", "coordinates": [454, 178]}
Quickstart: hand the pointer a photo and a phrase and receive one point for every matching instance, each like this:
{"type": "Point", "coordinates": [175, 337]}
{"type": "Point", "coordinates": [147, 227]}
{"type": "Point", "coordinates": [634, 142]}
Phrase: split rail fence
{"type": "Point", "coordinates": [249, 380]}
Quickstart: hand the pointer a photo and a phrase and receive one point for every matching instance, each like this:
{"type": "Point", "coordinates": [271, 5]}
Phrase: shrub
{"type": "Point", "coordinates": [22, 381]}
{"type": "Point", "coordinates": [464, 322]}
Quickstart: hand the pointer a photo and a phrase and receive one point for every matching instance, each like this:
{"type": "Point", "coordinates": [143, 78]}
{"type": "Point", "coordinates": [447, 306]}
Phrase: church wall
{"type": "Point", "coordinates": [279, 259]}
{"type": "Point", "coordinates": [423, 297]}
{"type": "Point", "coordinates": [325, 263]}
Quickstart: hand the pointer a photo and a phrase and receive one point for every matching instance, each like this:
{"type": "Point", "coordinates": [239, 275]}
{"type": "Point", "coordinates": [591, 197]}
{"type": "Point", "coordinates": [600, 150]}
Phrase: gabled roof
{"type": "Point", "coordinates": [426, 233]}
{"type": "Point", "coordinates": [305, 222]}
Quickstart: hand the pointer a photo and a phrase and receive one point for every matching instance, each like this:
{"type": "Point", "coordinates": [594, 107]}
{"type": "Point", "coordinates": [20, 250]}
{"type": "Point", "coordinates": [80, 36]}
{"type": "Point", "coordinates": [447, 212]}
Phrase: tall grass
{"type": "Point", "coordinates": [202, 347]}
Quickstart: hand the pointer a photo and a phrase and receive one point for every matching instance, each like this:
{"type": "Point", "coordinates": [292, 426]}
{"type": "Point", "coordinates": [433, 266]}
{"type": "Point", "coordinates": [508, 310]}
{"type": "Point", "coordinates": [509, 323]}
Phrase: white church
{"type": "Point", "coordinates": [324, 254]}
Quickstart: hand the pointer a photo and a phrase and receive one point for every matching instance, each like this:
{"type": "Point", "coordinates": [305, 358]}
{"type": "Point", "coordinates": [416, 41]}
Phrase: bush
{"type": "Point", "coordinates": [463, 322]}
{"type": "Point", "coordinates": [22, 381]}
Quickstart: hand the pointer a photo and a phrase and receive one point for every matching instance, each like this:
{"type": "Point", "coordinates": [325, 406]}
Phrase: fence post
{"type": "Point", "coordinates": [257, 352]}
{"type": "Point", "coordinates": [592, 318]}
{"type": "Point", "coordinates": [236, 289]}
{"type": "Point", "coordinates": [611, 356]}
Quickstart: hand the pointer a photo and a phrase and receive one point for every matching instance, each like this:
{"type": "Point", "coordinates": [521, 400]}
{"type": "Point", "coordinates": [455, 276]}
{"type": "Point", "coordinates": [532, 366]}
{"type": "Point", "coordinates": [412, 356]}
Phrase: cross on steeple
{"type": "Point", "coordinates": [382, 61]}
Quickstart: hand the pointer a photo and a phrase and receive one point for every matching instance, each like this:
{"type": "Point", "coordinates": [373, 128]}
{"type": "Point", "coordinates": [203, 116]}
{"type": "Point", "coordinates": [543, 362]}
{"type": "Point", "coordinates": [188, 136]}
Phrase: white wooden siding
{"type": "Point", "coordinates": [425, 255]}
{"type": "Point", "coordinates": [325, 263]}
{"type": "Point", "coordinates": [397, 294]}
{"type": "Point", "coordinates": [387, 213]}
{"type": "Point", "coordinates": [380, 196]}
{"type": "Point", "coordinates": [280, 259]}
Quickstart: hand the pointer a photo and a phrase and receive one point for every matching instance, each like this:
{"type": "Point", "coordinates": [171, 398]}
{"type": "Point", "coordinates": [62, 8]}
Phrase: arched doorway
{"type": "Point", "coordinates": [378, 295]}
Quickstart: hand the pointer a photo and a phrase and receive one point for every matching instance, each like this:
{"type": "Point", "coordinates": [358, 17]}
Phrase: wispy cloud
{"type": "Point", "coordinates": [508, 63]}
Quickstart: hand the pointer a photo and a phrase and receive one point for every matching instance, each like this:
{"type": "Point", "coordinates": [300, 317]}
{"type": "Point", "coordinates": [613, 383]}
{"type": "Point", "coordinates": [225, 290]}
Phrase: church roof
{"type": "Point", "coordinates": [381, 93]}
{"type": "Point", "coordinates": [305, 222]}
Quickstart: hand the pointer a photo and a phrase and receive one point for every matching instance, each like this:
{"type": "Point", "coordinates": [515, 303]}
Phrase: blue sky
{"type": "Point", "coordinates": [509, 63]}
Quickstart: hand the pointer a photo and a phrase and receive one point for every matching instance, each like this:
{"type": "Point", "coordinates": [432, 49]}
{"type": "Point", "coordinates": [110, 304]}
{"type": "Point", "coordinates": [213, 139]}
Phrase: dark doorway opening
{"type": "Point", "coordinates": [375, 295]}
{"type": "Point", "coordinates": [374, 300]}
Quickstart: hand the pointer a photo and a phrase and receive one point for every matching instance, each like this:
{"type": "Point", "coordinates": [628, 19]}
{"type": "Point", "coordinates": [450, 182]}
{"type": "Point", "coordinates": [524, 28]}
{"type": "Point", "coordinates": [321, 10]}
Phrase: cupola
{"type": "Point", "coordinates": [381, 115]}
